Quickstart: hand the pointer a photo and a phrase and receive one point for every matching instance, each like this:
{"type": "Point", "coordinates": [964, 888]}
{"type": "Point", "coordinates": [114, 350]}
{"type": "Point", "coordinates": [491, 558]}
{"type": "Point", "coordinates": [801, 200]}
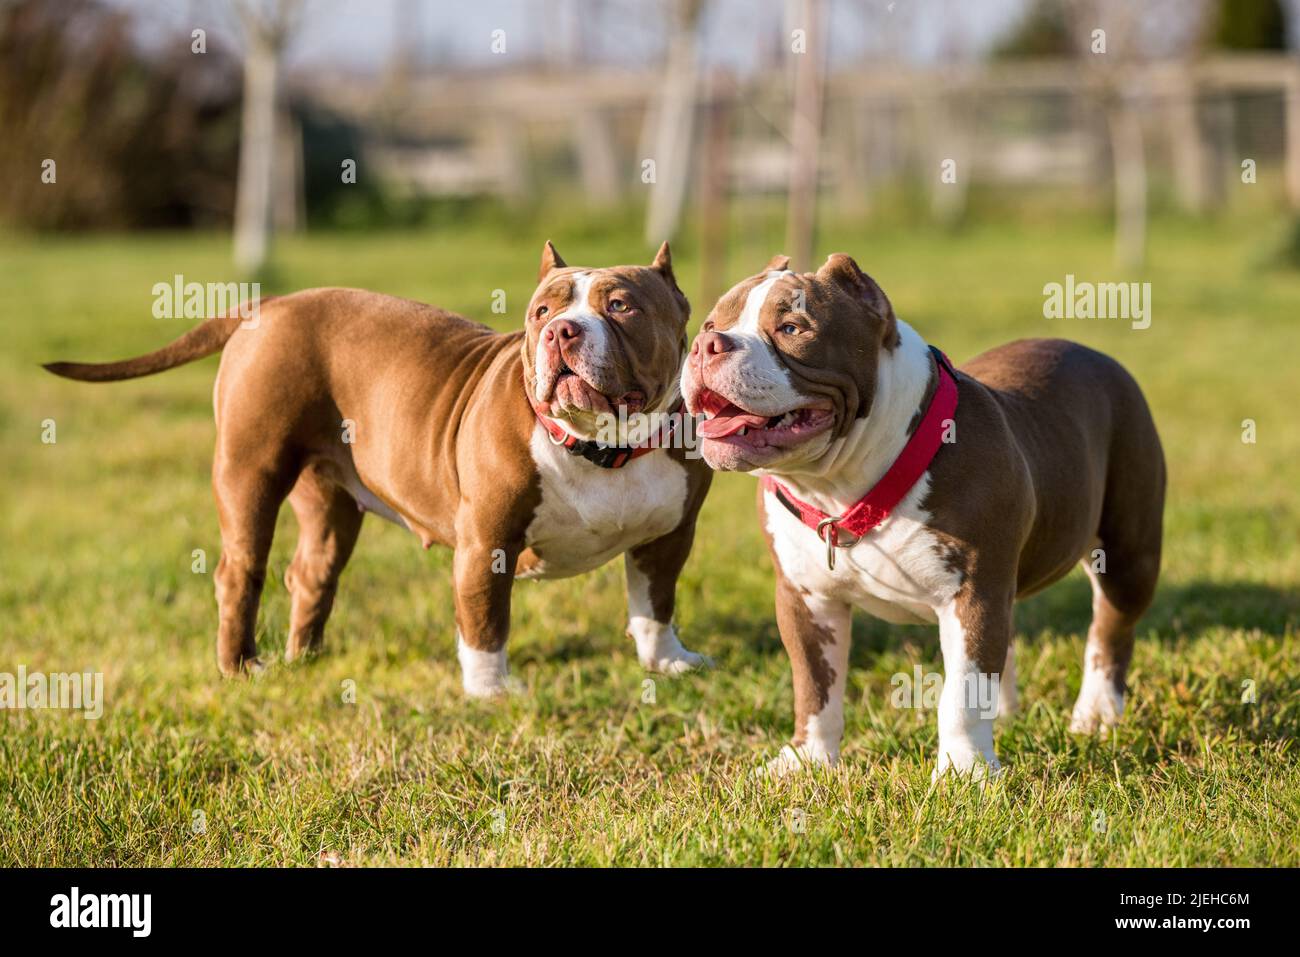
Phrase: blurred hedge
{"type": "Point", "coordinates": [139, 140]}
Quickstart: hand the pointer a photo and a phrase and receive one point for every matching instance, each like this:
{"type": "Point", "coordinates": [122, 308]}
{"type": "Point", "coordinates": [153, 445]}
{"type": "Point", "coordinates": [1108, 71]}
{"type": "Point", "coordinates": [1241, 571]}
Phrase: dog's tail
{"type": "Point", "coordinates": [203, 340]}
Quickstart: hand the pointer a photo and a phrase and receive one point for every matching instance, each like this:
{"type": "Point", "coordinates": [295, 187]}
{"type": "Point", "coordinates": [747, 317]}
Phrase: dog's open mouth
{"type": "Point", "coordinates": [573, 394]}
{"type": "Point", "coordinates": [727, 421]}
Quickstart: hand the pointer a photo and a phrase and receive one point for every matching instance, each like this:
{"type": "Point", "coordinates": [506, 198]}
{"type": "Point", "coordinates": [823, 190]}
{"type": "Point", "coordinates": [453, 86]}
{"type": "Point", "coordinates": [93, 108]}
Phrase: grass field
{"type": "Point", "coordinates": [95, 574]}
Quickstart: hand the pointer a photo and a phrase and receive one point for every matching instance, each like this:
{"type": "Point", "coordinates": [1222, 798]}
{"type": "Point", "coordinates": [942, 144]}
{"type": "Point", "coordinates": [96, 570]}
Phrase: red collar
{"type": "Point", "coordinates": [874, 507]}
{"type": "Point", "coordinates": [605, 456]}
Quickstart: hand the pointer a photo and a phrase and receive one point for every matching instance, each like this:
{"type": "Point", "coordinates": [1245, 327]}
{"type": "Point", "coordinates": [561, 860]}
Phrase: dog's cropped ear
{"type": "Point", "coordinates": [550, 260]}
{"type": "Point", "coordinates": [778, 263]}
{"type": "Point", "coordinates": [663, 265]}
{"type": "Point", "coordinates": [841, 269]}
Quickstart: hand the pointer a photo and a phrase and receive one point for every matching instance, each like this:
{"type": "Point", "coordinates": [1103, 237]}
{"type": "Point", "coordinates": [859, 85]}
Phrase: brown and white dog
{"type": "Point", "coordinates": [1050, 452]}
{"type": "Point", "coordinates": [348, 402]}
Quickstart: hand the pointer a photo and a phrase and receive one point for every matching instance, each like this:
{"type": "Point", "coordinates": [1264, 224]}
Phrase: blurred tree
{"type": "Point", "coordinates": [267, 25]}
{"type": "Point", "coordinates": [808, 16]}
{"type": "Point", "coordinates": [1249, 25]}
{"type": "Point", "coordinates": [1041, 32]}
{"type": "Point", "coordinates": [674, 121]}
{"type": "Point", "coordinates": [1113, 41]}
{"type": "Point", "coordinates": [135, 141]}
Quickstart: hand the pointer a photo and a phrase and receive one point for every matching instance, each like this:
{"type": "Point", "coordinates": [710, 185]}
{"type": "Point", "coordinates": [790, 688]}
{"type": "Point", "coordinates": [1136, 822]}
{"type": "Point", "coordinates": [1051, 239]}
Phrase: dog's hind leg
{"type": "Point", "coordinates": [329, 521]}
{"type": "Point", "coordinates": [1123, 571]}
{"type": "Point", "coordinates": [1118, 601]}
{"type": "Point", "coordinates": [248, 499]}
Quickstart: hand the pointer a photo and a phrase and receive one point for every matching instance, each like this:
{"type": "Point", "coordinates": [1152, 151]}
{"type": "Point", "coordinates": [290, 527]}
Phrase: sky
{"type": "Point", "coordinates": [362, 35]}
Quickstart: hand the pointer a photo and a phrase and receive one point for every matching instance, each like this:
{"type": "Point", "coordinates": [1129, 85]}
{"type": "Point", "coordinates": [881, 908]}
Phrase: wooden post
{"type": "Point", "coordinates": [593, 142]}
{"type": "Point", "coordinates": [266, 29]}
{"type": "Point", "coordinates": [507, 147]}
{"type": "Point", "coordinates": [1192, 160]}
{"type": "Point", "coordinates": [946, 137]}
{"type": "Point", "coordinates": [715, 181]}
{"type": "Point", "coordinates": [256, 153]}
{"type": "Point", "coordinates": [805, 134]}
{"type": "Point", "coordinates": [1128, 158]}
{"type": "Point", "coordinates": [1293, 134]}
{"type": "Point", "coordinates": [851, 154]}
{"type": "Point", "coordinates": [288, 201]}
{"type": "Point", "coordinates": [675, 120]}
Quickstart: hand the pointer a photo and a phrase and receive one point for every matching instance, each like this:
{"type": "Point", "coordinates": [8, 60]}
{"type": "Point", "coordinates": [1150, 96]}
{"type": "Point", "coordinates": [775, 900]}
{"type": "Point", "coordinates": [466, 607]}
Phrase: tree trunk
{"type": "Point", "coordinates": [715, 186]}
{"type": "Point", "coordinates": [1192, 155]}
{"type": "Point", "coordinates": [1128, 158]}
{"type": "Point", "coordinates": [594, 144]}
{"type": "Point", "coordinates": [947, 137]}
{"type": "Point", "coordinates": [805, 135]}
{"type": "Point", "coordinates": [674, 127]}
{"type": "Point", "coordinates": [256, 154]}
{"type": "Point", "coordinates": [1292, 136]}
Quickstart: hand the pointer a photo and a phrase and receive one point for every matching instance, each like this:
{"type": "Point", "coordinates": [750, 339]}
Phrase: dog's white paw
{"type": "Point", "coordinates": [793, 758]}
{"type": "Point", "coordinates": [966, 763]}
{"type": "Point", "coordinates": [299, 654]}
{"type": "Point", "coordinates": [677, 664]}
{"type": "Point", "coordinates": [494, 689]}
{"type": "Point", "coordinates": [508, 688]}
{"type": "Point", "coordinates": [1099, 706]}
{"type": "Point", "coordinates": [483, 673]}
{"type": "Point", "coordinates": [1091, 721]}
{"type": "Point", "coordinates": [659, 650]}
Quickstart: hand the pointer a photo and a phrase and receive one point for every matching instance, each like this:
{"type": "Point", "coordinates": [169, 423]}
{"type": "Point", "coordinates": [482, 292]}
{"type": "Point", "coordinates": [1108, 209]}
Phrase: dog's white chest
{"type": "Point", "coordinates": [898, 572]}
{"type": "Point", "coordinates": [589, 515]}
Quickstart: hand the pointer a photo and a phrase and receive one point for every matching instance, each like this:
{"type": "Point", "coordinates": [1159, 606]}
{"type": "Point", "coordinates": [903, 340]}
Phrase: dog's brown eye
{"type": "Point", "coordinates": [617, 305]}
{"type": "Point", "coordinates": [542, 311]}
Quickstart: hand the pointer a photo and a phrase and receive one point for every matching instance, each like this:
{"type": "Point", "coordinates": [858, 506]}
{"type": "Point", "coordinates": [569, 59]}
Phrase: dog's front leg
{"type": "Point", "coordinates": [974, 632]}
{"type": "Point", "coordinates": [816, 631]}
{"type": "Point", "coordinates": [484, 576]}
{"type": "Point", "coordinates": [652, 571]}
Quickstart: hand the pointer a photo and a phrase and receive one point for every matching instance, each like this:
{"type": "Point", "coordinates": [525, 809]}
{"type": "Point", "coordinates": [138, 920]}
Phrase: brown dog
{"type": "Point", "coordinates": [922, 494]}
{"type": "Point", "coordinates": [346, 401]}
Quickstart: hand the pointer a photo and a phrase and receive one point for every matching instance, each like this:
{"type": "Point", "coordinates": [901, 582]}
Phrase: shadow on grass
{"type": "Point", "coordinates": [1184, 609]}
{"type": "Point", "coordinates": [1179, 610]}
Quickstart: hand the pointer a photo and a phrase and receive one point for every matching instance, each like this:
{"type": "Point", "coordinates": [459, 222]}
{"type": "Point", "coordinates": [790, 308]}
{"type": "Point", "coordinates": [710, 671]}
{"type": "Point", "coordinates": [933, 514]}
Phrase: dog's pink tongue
{"type": "Point", "coordinates": [730, 421]}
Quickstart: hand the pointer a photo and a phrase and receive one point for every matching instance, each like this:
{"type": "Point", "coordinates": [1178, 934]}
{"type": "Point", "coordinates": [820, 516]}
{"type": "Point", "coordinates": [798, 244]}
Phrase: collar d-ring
{"type": "Point", "coordinates": [829, 533]}
{"type": "Point", "coordinates": [832, 538]}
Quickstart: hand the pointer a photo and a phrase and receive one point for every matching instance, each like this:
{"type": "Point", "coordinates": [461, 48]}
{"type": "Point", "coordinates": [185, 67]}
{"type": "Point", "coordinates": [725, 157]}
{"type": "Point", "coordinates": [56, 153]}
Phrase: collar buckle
{"type": "Point", "coordinates": [603, 456]}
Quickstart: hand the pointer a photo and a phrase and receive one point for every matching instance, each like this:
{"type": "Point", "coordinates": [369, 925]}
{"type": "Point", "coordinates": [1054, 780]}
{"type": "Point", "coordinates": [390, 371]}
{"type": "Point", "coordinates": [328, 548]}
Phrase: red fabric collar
{"type": "Point", "coordinates": [605, 456]}
{"type": "Point", "coordinates": [873, 508]}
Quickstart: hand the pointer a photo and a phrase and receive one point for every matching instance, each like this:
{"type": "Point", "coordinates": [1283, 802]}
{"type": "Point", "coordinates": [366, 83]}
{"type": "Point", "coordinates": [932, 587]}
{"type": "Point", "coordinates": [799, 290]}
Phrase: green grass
{"type": "Point", "coordinates": [95, 574]}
